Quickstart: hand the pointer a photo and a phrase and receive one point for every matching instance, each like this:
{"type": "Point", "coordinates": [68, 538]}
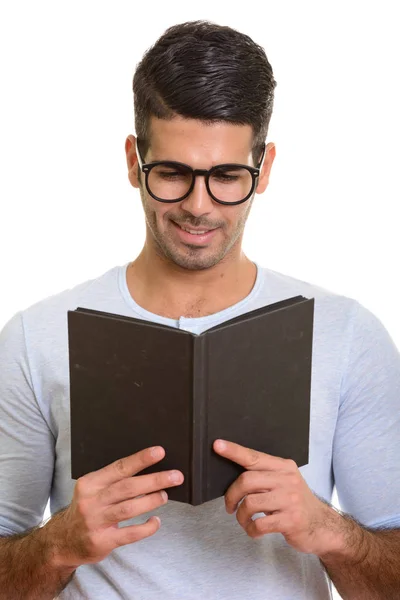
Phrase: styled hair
{"type": "Point", "coordinates": [204, 71]}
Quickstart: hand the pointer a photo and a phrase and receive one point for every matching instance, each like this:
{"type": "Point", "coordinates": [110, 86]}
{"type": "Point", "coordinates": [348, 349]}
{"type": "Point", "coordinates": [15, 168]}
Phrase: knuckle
{"type": "Point", "coordinates": [249, 502]}
{"type": "Point", "coordinates": [245, 478]}
{"type": "Point", "coordinates": [254, 458]}
{"type": "Point", "coordinates": [119, 466]}
{"type": "Point", "coordinates": [124, 511]}
{"type": "Point", "coordinates": [110, 516]}
{"type": "Point", "coordinates": [82, 508]}
{"type": "Point", "coordinates": [80, 486]}
{"type": "Point", "coordinates": [118, 513]}
{"type": "Point", "coordinates": [291, 465]}
{"type": "Point", "coordinates": [259, 525]}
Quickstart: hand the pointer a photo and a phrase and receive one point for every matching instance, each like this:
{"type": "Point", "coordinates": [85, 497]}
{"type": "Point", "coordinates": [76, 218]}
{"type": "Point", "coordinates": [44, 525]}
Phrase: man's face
{"type": "Point", "coordinates": [200, 146]}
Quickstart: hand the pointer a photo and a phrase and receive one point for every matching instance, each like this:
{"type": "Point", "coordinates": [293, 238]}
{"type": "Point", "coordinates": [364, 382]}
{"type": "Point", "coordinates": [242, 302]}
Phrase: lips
{"type": "Point", "coordinates": [195, 236]}
{"type": "Point", "coordinates": [194, 230]}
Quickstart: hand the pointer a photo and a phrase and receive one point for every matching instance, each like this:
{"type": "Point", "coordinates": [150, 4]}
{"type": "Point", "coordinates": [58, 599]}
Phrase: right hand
{"type": "Point", "coordinates": [87, 530]}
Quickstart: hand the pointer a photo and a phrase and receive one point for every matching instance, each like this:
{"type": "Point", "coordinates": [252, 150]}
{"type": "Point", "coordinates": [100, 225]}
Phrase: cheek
{"type": "Point", "coordinates": [161, 214]}
{"type": "Point", "coordinates": [237, 216]}
{"type": "Point", "coordinates": [155, 210]}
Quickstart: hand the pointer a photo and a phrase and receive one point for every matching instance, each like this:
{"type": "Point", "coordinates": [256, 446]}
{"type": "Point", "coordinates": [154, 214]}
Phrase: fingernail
{"type": "Point", "coordinates": [164, 496]}
{"type": "Point", "coordinates": [175, 476]}
{"type": "Point", "coordinates": [220, 445]}
{"type": "Point", "coordinates": [156, 452]}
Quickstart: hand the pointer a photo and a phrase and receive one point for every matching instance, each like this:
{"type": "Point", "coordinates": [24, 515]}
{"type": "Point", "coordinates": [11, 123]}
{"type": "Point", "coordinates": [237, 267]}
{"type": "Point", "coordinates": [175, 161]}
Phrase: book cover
{"type": "Point", "coordinates": [136, 383]}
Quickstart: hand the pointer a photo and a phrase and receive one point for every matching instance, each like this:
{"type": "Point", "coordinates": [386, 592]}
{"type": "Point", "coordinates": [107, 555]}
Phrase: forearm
{"type": "Point", "coordinates": [366, 563]}
{"type": "Point", "coordinates": [28, 567]}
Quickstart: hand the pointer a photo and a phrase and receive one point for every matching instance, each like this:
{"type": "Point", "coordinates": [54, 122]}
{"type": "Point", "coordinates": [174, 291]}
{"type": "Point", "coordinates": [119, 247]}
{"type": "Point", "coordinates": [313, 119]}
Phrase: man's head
{"type": "Point", "coordinates": [203, 96]}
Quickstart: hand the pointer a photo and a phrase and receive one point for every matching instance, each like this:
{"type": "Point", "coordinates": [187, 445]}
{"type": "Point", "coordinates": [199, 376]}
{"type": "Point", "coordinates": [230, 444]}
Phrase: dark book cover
{"type": "Point", "coordinates": [136, 384]}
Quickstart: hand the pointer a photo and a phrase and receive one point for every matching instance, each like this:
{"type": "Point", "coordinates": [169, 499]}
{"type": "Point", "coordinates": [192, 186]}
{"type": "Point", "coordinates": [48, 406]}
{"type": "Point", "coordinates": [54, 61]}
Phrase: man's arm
{"type": "Point", "coordinates": [26, 471]}
{"type": "Point", "coordinates": [29, 566]}
{"type": "Point", "coordinates": [37, 565]}
{"type": "Point", "coordinates": [365, 564]}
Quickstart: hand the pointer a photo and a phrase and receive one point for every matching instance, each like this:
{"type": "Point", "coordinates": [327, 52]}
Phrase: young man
{"type": "Point", "coordinates": [203, 98]}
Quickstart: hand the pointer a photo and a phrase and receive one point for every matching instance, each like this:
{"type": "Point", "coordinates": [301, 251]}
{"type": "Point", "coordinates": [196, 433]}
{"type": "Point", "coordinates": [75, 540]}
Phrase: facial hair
{"type": "Point", "coordinates": [189, 256]}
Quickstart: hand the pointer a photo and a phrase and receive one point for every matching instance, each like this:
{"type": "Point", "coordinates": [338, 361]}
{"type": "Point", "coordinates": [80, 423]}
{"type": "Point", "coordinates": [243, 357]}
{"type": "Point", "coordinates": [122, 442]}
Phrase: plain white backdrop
{"type": "Point", "coordinates": [330, 214]}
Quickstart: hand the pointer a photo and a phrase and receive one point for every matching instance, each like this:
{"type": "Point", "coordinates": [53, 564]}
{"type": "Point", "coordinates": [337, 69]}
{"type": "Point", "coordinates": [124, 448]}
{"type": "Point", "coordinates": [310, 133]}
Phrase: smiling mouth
{"type": "Point", "coordinates": [191, 235]}
{"type": "Point", "coordinates": [194, 231]}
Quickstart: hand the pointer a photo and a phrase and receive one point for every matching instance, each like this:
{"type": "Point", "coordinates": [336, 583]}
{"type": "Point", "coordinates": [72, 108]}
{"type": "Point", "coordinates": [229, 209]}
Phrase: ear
{"type": "Point", "coordinates": [131, 160]}
{"type": "Point", "coordinates": [263, 180]}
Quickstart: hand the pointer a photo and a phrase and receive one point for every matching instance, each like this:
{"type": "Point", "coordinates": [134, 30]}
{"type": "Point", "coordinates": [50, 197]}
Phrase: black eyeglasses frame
{"type": "Point", "coordinates": [147, 167]}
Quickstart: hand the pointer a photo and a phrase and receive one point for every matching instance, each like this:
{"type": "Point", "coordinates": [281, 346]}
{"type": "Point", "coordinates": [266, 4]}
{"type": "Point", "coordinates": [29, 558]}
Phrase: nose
{"type": "Point", "coordinates": [199, 202]}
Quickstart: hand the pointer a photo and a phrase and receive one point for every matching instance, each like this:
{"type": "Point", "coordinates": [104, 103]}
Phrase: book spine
{"type": "Point", "coordinates": [199, 422]}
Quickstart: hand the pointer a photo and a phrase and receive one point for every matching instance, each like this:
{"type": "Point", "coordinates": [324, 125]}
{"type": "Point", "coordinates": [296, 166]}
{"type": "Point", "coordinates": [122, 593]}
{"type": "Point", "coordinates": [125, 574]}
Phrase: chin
{"type": "Point", "coordinates": [196, 259]}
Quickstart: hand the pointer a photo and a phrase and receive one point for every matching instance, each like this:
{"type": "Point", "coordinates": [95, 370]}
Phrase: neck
{"type": "Point", "coordinates": [164, 288]}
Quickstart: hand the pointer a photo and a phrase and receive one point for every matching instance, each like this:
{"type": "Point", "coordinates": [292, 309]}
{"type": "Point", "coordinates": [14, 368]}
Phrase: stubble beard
{"type": "Point", "coordinates": [193, 258]}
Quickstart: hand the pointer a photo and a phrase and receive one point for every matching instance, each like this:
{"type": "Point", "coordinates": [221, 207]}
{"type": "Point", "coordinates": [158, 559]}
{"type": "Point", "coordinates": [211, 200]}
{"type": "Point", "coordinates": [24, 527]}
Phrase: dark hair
{"type": "Point", "coordinates": [201, 70]}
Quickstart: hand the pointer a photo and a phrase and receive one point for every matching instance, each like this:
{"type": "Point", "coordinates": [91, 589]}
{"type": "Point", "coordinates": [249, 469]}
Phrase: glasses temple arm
{"type": "Point", "coordinates": [262, 158]}
{"type": "Point", "coordinates": [140, 161]}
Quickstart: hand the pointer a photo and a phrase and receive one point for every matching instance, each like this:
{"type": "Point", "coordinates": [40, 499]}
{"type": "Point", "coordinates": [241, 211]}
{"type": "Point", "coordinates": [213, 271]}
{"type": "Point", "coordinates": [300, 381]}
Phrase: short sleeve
{"type": "Point", "coordinates": [26, 443]}
{"type": "Point", "coordinates": [366, 450]}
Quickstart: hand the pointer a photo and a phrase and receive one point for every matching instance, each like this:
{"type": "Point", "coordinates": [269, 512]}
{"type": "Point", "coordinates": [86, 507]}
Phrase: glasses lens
{"type": "Point", "coordinates": [230, 184]}
{"type": "Point", "coordinates": [169, 181]}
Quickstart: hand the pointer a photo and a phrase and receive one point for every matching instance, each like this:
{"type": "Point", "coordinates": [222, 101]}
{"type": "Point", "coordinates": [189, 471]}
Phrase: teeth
{"type": "Point", "coordinates": [194, 232]}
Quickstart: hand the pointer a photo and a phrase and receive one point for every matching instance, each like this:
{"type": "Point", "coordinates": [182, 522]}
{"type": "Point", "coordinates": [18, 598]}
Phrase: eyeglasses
{"type": "Point", "coordinates": [170, 181]}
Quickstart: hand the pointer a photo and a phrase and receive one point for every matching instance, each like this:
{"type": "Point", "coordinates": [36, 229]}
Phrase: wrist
{"type": "Point", "coordinates": [54, 546]}
{"type": "Point", "coordinates": [346, 541]}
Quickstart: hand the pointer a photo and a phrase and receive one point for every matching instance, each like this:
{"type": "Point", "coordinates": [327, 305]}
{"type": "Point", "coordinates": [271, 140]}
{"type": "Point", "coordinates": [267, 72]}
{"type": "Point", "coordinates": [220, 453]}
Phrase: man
{"type": "Point", "coordinates": [203, 98]}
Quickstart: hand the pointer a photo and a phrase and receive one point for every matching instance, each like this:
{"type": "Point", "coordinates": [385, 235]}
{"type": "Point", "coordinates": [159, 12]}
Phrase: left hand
{"type": "Point", "coordinates": [276, 487]}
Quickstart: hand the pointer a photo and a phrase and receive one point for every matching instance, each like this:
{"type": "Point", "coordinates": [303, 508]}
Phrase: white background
{"type": "Point", "coordinates": [329, 216]}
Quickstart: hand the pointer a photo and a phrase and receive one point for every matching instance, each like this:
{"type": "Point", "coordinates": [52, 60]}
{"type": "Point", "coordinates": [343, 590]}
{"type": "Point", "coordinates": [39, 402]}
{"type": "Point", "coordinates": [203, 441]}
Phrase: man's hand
{"type": "Point", "coordinates": [87, 530]}
{"type": "Point", "coordinates": [275, 486]}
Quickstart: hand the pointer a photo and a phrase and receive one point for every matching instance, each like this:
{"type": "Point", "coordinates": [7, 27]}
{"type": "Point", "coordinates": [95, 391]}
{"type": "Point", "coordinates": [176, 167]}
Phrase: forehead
{"type": "Point", "coordinates": [199, 144]}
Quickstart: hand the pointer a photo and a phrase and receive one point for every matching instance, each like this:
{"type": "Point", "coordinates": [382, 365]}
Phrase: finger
{"type": "Point", "coordinates": [266, 502]}
{"type": "Point", "coordinates": [134, 507]}
{"type": "Point", "coordinates": [251, 482]}
{"type": "Point", "coordinates": [252, 459]}
{"type": "Point", "coordinates": [138, 485]}
{"type": "Point", "coordinates": [135, 533]}
{"type": "Point", "coordinates": [126, 467]}
{"type": "Point", "coordinates": [263, 525]}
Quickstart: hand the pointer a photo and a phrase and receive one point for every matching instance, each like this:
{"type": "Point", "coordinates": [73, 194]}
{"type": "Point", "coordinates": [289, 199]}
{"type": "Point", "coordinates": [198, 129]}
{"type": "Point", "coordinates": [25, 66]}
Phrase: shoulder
{"type": "Point", "coordinates": [70, 298]}
{"type": "Point", "coordinates": [44, 322]}
{"type": "Point", "coordinates": [343, 323]}
{"type": "Point", "coordinates": [330, 307]}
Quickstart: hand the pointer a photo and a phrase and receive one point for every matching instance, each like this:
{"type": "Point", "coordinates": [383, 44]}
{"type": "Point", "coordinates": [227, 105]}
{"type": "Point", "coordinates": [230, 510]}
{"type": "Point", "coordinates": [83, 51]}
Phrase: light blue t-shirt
{"type": "Point", "coordinates": [202, 552]}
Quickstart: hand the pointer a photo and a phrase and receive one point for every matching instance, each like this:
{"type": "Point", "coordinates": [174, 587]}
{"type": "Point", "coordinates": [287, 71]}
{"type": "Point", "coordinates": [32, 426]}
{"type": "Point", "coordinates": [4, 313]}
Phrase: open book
{"type": "Point", "coordinates": [136, 383]}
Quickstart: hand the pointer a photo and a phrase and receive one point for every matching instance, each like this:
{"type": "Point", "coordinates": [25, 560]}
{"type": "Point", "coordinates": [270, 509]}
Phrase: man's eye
{"type": "Point", "coordinates": [170, 174]}
{"type": "Point", "coordinates": [225, 177]}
